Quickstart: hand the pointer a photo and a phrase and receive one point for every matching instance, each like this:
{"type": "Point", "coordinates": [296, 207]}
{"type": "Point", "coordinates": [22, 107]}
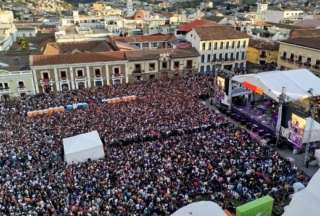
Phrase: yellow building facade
{"type": "Point", "coordinates": [300, 53]}
{"type": "Point", "coordinates": [261, 52]}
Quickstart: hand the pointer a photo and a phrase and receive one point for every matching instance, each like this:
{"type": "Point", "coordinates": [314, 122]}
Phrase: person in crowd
{"type": "Point", "coordinates": [163, 151]}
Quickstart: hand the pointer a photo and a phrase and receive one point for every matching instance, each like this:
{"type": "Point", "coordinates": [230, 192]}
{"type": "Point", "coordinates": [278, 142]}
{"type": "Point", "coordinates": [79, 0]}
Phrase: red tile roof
{"type": "Point", "coordinates": [39, 60]}
{"type": "Point", "coordinates": [153, 54]}
{"type": "Point", "coordinates": [186, 27]}
{"type": "Point", "coordinates": [145, 38]}
{"type": "Point", "coordinates": [219, 33]}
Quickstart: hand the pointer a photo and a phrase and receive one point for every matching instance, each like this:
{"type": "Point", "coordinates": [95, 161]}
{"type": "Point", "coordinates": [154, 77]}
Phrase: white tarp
{"type": "Point", "coordinates": [202, 208]}
{"type": "Point", "coordinates": [297, 83]}
{"type": "Point", "coordinates": [82, 147]}
{"type": "Point", "coordinates": [314, 126]}
{"type": "Point", "coordinates": [307, 201]}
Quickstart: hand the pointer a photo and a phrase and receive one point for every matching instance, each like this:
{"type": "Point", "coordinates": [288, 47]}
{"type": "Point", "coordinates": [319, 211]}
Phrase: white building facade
{"type": "Point", "coordinates": [220, 47]}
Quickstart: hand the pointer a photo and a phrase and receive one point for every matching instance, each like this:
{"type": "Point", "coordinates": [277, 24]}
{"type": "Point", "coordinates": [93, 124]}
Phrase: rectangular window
{"type": "Point", "coordinates": [1, 86]}
{"type": "Point", "coordinates": [151, 77]}
{"type": "Point", "coordinates": [80, 73]}
{"type": "Point", "coordinates": [209, 46]}
{"type": "Point", "coordinates": [203, 46]}
{"type": "Point", "coordinates": [6, 86]}
{"type": "Point", "coordinates": [145, 45]}
{"type": "Point", "coordinates": [202, 59]}
{"type": "Point", "coordinates": [45, 76]}
{"type": "Point", "coordinates": [152, 67]}
{"type": "Point", "coordinates": [221, 45]}
{"type": "Point", "coordinates": [21, 84]}
{"type": "Point", "coordinates": [243, 56]}
{"type": "Point", "coordinates": [97, 72]}
{"type": "Point", "coordinates": [189, 63]}
{"type": "Point", "coordinates": [176, 65]}
{"type": "Point", "coordinates": [63, 75]}
{"type": "Point", "coordinates": [233, 43]}
{"type": "Point", "coordinates": [244, 44]}
{"type": "Point", "coordinates": [215, 45]}
{"type": "Point", "coordinates": [238, 45]}
{"type": "Point", "coordinates": [164, 65]}
{"type": "Point", "coordinates": [116, 71]}
{"type": "Point", "coordinates": [227, 45]}
{"type": "Point", "coordinates": [154, 44]}
{"type": "Point", "coordinates": [208, 58]}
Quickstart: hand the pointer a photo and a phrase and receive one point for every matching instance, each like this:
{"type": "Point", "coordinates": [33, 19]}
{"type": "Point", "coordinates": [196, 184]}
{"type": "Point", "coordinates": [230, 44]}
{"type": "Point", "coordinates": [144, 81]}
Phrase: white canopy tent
{"type": "Point", "coordinates": [306, 201]}
{"type": "Point", "coordinates": [202, 208]}
{"type": "Point", "coordinates": [296, 82]}
{"type": "Point", "coordinates": [82, 147]}
{"type": "Point", "coordinates": [313, 127]}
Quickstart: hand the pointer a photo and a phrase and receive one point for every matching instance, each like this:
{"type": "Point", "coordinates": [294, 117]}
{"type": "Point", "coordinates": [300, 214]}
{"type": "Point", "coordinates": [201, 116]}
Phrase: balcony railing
{"type": "Point", "coordinates": [307, 64]}
{"type": "Point", "coordinates": [299, 62]}
{"type": "Point", "coordinates": [136, 71]}
{"type": "Point", "coordinates": [4, 90]}
{"type": "Point", "coordinates": [283, 58]}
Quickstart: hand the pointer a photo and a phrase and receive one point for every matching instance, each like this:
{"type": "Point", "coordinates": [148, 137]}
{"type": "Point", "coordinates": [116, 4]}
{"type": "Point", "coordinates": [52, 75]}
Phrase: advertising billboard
{"type": "Point", "coordinates": [258, 207]}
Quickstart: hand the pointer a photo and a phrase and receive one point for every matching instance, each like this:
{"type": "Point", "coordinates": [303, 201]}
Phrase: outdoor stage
{"type": "Point", "coordinates": [262, 114]}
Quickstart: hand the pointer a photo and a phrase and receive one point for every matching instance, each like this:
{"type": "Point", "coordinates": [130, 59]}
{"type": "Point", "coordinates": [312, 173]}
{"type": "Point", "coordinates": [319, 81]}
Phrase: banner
{"type": "Point", "coordinates": [296, 128]}
{"type": "Point", "coordinates": [258, 207]}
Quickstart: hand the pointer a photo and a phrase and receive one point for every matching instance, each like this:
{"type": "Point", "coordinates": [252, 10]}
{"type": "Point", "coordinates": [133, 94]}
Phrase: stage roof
{"type": "Point", "coordinates": [296, 82]}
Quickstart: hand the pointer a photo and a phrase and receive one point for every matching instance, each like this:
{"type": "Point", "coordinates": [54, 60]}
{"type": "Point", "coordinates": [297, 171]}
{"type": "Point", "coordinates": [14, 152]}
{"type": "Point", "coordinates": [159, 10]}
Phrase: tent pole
{"type": "Point", "coordinates": [230, 94]}
{"type": "Point", "coordinates": [281, 102]}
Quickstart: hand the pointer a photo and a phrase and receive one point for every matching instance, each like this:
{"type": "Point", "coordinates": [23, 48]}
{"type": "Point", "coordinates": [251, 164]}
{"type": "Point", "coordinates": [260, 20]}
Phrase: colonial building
{"type": "Point", "coordinates": [77, 71]}
{"type": "Point", "coordinates": [161, 63]}
{"type": "Point", "coordinates": [147, 41]}
{"type": "Point", "coordinates": [262, 52]}
{"type": "Point", "coordinates": [300, 53]}
{"type": "Point", "coordinates": [85, 70]}
{"type": "Point", "coordinates": [15, 77]}
{"type": "Point", "coordinates": [220, 47]}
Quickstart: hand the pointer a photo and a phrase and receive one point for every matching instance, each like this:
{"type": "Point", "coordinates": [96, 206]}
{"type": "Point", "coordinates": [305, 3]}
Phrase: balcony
{"type": "Point", "coordinates": [316, 67]}
{"type": "Point", "coordinates": [138, 71]}
{"type": "Point", "coordinates": [307, 64]}
{"type": "Point", "coordinates": [291, 60]}
{"type": "Point", "coordinates": [284, 58]}
{"type": "Point", "coordinates": [22, 89]}
{"type": "Point", "coordinates": [5, 90]}
{"type": "Point", "coordinates": [80, 78]}
{"type": "Point", "coordinates": [263, 56]}
{"type": "Point", "coordinates": [299, 62]}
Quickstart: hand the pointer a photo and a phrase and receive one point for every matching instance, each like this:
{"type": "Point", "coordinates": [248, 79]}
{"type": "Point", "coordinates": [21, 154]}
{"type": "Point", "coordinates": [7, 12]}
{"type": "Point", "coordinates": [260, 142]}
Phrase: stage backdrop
{"type": "Point", "coordinates": [258, 207]}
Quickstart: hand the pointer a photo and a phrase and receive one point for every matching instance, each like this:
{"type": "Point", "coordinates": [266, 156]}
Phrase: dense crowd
{"type": "Point", "coordinates": [193, 153]}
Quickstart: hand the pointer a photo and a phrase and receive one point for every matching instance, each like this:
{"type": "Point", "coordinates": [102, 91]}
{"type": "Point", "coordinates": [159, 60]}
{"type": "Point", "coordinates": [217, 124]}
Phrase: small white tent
{"type": "Point", "coordinates": [82, 147]}
{"type": "Point", "coordinates": [202, 208]}
{"type": "Point", "coordinates": [306, 201]}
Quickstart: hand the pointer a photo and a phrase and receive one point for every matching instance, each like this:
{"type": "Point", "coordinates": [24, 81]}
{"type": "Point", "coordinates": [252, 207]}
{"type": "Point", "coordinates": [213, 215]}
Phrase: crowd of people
{"type": "Point", "coordinates": [163, 151]}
